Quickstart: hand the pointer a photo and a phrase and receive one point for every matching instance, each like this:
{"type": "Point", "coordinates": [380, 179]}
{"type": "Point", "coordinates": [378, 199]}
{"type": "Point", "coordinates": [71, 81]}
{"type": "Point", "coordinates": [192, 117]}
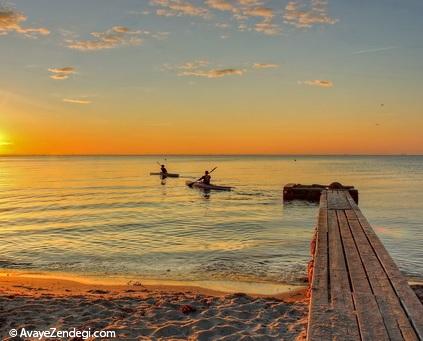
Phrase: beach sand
{"type": "Point", "coordinates": [138, 312]}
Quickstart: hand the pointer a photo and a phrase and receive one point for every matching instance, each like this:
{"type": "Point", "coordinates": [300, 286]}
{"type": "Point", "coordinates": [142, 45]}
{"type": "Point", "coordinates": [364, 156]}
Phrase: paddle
{"type": "Point", "coordinates": [192, 183]}
{"type": "Point", "coordinates": [160, 164]}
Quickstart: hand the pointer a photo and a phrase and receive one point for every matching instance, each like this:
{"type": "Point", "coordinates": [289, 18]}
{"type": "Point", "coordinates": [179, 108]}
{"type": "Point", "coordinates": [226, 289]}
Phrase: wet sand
{"type": "Point", "coordinates": [138, 312]}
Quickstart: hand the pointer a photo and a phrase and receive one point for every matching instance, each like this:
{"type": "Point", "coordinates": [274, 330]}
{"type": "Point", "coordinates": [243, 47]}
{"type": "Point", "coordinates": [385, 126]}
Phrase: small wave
{"type": "Point", "coordinates": [8, 264]}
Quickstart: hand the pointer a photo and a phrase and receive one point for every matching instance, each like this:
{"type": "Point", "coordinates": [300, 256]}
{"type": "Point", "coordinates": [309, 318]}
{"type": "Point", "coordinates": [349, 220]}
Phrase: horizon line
{"type": "Point", "coordinates": [181, 155]}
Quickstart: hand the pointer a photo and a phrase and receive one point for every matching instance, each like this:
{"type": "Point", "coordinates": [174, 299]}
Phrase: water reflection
{"type": "Point", "coordinates": [107, 215]}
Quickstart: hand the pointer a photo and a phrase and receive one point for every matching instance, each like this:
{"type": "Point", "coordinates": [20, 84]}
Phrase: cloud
{"type": "Point", "coordinates": [214, 73]}
{"type": "Point", "coordinates": [221, 5]}
{"type": "Point", "coordinates": [62, 73]}
{"type": "Point", "coordinates": [250, 2]}
{"type": "Point", "coordinates": [304, 15]}
{"type": "Point", "coordinates": [76, 101]}
{"type": "Point", "coordinates": [171, 8]}
{"type": "Point", "coordinates": [196, 64]}
{"type": "Point", "coordinates": [115, 37]}
{"type": "Point", "coordinates": [249, 10]}
{"type": "Point", "coordinates": [245, 12]}
{"type": "Point", "coordinates": [66, 70]}
{"type": "Point", "coordinates": [203, 68]}
{"type": "Point", "coordinates": [243, 9]}
{"type": "Point", "coordinates": [59, 76]}
{"type": "Point", "coordinates": [265, 66]}
{"type": "Point", "coordinates": [267, 27]}
{"type": "Point", "coordinates": [11, 21]}
{"type": "Point", "coordinates": [264, 12]}
{"type": "Point", "coordinates": [378, 49]}
{"type": "Point", "coordinates": [318, 82]}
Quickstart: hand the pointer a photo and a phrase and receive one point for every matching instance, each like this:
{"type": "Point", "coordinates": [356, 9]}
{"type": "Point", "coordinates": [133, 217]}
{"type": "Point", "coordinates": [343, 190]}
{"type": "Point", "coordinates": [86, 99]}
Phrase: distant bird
{"type": "Point", "coordinates": [382, 104]}
{"type": "Point", "coordinates": [377, 124]}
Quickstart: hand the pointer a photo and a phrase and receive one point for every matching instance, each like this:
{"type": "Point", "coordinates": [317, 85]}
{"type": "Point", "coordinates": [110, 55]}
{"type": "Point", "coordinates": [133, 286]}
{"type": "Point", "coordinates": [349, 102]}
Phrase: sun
{"type": "Point", "coordinates": [4, 141]}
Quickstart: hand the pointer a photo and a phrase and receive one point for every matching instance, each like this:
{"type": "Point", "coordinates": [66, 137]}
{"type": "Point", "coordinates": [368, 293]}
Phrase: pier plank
{"type": "Point", "coordinates": [406, 295]}
{"type": "Point", "coordinates": [369, 317]}
{"type": "Point", "coordinates": [357, 291]}
{"type": "Point", "coordinates": [319, 326]}
{"type": "Point", "coordinates": [340, 292]}
{"type": "Point", "coordinates": [379, 282]}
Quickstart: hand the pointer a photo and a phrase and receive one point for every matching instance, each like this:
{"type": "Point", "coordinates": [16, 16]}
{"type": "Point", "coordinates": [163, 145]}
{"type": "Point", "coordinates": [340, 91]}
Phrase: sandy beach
{"type": "Point", "coordinates": [138, 312]}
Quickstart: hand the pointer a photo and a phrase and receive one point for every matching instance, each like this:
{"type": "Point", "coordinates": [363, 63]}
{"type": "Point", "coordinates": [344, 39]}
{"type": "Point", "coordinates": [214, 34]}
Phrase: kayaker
{"type": "Point", "coordinates": [163, 169]}
{"type": "Point", "coordinates": [205, 179]}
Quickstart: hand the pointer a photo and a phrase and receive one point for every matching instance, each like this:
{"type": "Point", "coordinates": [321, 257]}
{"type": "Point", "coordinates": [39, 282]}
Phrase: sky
{"type": "Point", "coordinates": [211, 77]}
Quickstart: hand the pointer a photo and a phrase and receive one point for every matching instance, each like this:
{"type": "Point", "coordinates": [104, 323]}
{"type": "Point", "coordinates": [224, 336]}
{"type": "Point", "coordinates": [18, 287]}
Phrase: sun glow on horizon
{"type": "Point", "coordinates": [4, 140]}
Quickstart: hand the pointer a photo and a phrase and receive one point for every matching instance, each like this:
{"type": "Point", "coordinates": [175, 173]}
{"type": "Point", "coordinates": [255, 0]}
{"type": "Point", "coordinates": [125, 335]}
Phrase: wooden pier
{"type": "Point", "coordinates": [357, 291]}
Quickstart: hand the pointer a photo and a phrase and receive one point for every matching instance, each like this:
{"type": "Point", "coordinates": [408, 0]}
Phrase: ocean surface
{"type": "Point", "coordinates": [106, 216]}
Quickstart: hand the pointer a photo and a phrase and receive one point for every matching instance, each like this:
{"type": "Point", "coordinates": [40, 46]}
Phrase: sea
{"type": "Point", "coordinates": [107, 217]}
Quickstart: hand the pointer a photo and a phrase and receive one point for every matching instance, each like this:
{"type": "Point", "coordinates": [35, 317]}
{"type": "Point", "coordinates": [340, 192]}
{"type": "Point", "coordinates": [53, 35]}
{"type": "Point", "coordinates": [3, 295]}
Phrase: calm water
{"type": "Point", "coordinates": [107, 216]}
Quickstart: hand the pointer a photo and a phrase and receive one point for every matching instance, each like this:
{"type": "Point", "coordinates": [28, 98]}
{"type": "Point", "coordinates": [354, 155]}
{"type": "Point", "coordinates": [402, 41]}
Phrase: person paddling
{"type": "Point", "coordinates": [163, 170]}
{"type": "Point", "coordinates": [206, 178]}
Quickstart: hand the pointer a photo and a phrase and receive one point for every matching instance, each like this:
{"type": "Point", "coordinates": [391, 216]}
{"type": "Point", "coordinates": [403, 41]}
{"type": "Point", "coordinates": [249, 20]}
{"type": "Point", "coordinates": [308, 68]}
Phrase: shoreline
{"type": "Point", "coordinates": [146, 312]}
{"type": "Point", "coordinates": [256, 289]}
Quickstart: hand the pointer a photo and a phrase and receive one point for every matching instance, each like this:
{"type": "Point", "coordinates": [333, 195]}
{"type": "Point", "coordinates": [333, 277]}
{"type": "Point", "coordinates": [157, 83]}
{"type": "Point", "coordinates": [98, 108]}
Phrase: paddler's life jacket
{"type": "Point", "coordinates": [206, 179]}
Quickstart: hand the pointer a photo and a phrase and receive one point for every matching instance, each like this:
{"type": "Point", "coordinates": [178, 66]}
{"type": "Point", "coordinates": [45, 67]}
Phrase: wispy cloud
{"type": "Point", "coordinates": [213, 73]}
{"type": "Point", "coordinates": [221, 5]}
{"type": "Point", "coordinates": [158, 35]}
{"type": "Point", "coordinates": [203, 68]}
{"type": "Point", "coordinates": [251, 2]}
{"type": "Point", "coordinates": [260, 11]}
{"type": "Point", "coordinates": [11, 21]}
{"type": "Point", "coordinates": [61, 73]}
{"type": "Point", "coordinates": [318, 82]}
{"type": "Point", "coordinates": [377, 49]}
{"type": "Point", "coordinates": [267, 27]}
{"type": "Point", "coordinates": [245, 12]}
{"type": "Point", "coordinates": [170, 8]}
{"type": "Point", "coordinates": [303, 15]}
{"type": "Point", "coordinates": [242, 9]}
{"type": "Point", "coordinates": [265, 66]}
{"type": "Point", "coordinates": [251, 15]}
{"type": "Point", "coordinates": [115, 37]}
{"type": "Point", "coordinates": [194, 65]}
{"type": "Point", "coordinates": [76, 101]}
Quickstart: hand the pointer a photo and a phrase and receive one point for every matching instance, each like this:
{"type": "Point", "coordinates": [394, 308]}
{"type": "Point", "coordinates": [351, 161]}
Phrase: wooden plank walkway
{"type": "Point", "coordinates": [357, 291]}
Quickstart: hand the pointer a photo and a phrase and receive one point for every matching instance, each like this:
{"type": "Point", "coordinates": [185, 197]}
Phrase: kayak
{"type": "Point", "coordinates": [168, 175]}
{"type": "Point", "coordinates": [205, 186]}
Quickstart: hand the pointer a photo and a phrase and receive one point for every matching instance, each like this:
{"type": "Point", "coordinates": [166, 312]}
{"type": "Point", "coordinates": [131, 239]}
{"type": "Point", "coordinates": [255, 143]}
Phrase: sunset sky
{"type": "Point", "coordinates": [211, 77]}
